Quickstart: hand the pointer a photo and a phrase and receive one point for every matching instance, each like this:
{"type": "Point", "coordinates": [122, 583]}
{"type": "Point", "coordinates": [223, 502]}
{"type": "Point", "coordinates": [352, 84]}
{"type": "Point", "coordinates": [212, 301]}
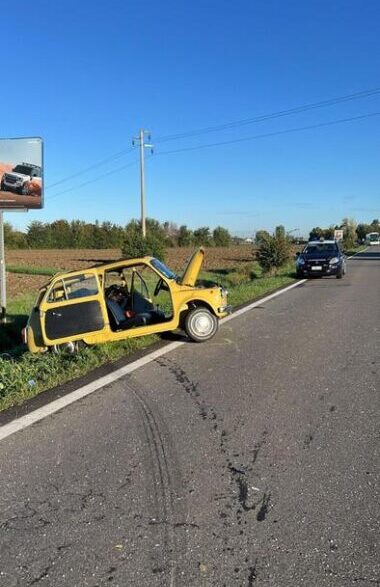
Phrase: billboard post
{"type": "Point", "coordinates": [21, 189]}
{"type": "Point", "coordinates": [3, 287]}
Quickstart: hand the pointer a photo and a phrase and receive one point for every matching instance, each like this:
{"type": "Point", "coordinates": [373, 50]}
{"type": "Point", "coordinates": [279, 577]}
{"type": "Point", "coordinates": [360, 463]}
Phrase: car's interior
{"type": "Point", "coordinates": [129, 293]}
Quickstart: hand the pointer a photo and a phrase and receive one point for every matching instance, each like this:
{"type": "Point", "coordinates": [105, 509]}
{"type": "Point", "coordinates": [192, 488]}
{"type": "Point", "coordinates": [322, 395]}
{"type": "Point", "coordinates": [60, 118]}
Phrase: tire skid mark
{"type": "Point", "coordinates": [238, 473]}
{"type": "Point", "coordinates": [163, 486]}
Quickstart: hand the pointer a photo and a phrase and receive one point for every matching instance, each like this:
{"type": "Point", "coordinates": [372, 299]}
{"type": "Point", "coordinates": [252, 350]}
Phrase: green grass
{"type": "Point", "coordinates": [24, 375]}
{"type": "Point", "coordinates": [355, 250]}
{"type": "Point", "coordinates": [32, 270]}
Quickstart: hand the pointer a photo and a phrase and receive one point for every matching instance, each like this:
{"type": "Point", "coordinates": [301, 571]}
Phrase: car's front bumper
{"type": "Point", "coordinates": [11, 187]}
{"type": "Point", "coordinates": [324, 271]}
{"type": "Point", "coordinates": [225, 310]}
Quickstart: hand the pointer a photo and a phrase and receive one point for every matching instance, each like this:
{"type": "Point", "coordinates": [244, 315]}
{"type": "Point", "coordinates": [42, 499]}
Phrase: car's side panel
{"type": "Point", "coordinates": [73, 319]}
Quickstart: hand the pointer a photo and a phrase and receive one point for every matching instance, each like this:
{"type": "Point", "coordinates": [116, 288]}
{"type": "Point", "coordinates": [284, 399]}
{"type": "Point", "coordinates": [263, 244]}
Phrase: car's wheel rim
{"type": "Point", "coordinates": [202, 324]}
{"type": "Point", "coordinates": [67, 348]}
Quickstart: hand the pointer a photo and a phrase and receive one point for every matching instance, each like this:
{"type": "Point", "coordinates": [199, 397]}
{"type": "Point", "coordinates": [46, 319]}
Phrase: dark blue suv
{"type": "Point", "coordinates": [321, 258]}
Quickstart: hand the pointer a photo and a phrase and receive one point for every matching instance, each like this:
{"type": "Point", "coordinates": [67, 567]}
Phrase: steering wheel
{"type": "Point", "coordinates": [161, 284]}
{"type": "Point", "coordinates": [114, 289]}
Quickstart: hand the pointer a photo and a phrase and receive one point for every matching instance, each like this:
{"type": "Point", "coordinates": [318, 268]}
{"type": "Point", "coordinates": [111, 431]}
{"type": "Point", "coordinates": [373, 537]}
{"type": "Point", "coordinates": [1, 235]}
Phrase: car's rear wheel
{"type": "Point", "coordinates": [68, 348]}
{"type": "Point", "coordinates": [201, 324]}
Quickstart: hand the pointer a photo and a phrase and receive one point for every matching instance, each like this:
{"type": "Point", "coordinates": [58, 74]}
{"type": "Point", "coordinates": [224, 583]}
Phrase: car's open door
{"type": "Point", "coordinates": [72, 307]}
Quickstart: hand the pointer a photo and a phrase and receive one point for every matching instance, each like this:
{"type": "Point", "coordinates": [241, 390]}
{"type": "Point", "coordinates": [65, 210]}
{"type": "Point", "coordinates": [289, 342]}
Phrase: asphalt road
{"type": "Point", "coordinates": [251, 460]}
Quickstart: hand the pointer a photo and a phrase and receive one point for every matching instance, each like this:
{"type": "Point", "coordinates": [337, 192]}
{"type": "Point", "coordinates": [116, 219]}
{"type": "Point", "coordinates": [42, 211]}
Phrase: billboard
{"type": "Point", "coordinates": [338, 234]}
{"type": "Point", "coordinates": [21, 173]}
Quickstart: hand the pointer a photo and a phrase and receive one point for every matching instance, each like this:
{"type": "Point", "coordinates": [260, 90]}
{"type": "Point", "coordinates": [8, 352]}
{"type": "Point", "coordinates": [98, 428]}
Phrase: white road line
{"type": "Point", "coordinates": [81, 392]}
{"type": "Point", "coordinates": [354, 255]}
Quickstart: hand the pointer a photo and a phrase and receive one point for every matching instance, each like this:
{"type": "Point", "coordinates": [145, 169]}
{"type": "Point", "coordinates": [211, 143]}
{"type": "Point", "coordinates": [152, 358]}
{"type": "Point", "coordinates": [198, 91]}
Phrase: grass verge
{"type": "Point", "coordinates": [49, 271]}
{"type": "Point", "coordinates": [24, 375]}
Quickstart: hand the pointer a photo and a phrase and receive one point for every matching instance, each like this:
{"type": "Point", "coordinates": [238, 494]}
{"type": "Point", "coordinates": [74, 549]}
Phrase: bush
{"type": "Point", "coordinates": [137, 246]}
{"type": "Point", "coordinates": [273, 253]}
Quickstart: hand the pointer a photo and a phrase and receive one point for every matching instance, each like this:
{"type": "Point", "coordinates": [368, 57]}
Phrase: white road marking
{"type": "Point", "coordinates": [58, 404]}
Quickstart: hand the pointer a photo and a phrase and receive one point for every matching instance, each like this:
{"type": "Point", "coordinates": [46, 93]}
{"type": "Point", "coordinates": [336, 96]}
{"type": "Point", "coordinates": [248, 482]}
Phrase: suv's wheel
{"type": "Point", "coordinates": [340, 273]}
{"type": "Point", "coordinates": [25, 189]}
{"type": "Point", "coordinates": [201, 324]}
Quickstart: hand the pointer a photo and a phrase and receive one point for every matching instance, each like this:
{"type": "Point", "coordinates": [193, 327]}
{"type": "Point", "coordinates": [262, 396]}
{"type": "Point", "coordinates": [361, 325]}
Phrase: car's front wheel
{"type": "Point", "coordinates": [201, 324]}
{"type": "Point", "coordinates": [340, 273]}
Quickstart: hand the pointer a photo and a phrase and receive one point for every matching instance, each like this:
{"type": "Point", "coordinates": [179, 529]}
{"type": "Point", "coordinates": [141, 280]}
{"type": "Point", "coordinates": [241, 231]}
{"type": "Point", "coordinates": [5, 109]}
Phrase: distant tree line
{"type": "Point", "coordinates": [77, 234]}
{"type": "Point", "coordinates": [352, 232]}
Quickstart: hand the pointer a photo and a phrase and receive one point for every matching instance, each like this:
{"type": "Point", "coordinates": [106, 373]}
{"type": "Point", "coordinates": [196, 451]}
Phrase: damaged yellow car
{"type": "Point", "coordinates": [124, 299]}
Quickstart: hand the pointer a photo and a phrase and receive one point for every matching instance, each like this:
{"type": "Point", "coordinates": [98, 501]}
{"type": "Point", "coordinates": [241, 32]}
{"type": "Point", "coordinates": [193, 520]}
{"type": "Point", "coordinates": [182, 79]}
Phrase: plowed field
{"type": "Point", "coordinates": [215, 258]}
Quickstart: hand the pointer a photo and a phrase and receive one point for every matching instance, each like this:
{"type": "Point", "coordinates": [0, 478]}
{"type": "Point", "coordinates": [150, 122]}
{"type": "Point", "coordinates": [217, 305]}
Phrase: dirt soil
{"type": "Point", "coordinates": [21, 284]}
{"type": "Point", "coordinates": [11, 200]}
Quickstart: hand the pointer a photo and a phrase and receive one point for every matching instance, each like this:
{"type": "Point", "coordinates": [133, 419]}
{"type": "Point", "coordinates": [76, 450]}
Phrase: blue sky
{"type": "Point", "coordinates": [87, 75]}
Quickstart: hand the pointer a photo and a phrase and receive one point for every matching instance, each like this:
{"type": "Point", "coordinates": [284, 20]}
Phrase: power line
{"type": "Point", "coordinates": [273, 115]}
{"type": "Point", "coordinates": [269, 134]}
{"type": "Point", "coordinates": [220, 143]}
{"type": "Point", "coordinates": [81, 185]}
{"type": "Point", "coordinates": [234, 124]}
{"type": "Point", "coordinates": [91, 167]}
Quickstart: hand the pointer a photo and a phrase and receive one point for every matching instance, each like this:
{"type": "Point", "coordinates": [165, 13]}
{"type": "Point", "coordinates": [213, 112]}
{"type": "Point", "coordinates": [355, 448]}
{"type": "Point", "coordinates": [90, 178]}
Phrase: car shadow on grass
{"type": "Point", "coordinates": [10, 335]}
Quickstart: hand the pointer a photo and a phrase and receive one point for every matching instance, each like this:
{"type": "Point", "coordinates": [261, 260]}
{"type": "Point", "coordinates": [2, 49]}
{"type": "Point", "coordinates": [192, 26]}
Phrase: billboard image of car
{"type": "Point", "coordinates": [21, 173]}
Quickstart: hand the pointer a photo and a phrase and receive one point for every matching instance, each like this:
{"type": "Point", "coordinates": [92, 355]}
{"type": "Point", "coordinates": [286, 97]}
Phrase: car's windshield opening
{"type": "Point", "coordinates": [24, 169]}
{"type": "Point", "coordinates": [161, 267]}
{"type": "Point", "coordinates": [321, 248]}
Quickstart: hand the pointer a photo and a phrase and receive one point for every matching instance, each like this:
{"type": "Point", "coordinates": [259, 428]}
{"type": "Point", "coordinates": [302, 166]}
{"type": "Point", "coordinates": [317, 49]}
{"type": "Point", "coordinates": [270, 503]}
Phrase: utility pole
{"type": "Point", "coordinates": [3, 290]}
{"type": "Point", "coordinates": [140, 141]}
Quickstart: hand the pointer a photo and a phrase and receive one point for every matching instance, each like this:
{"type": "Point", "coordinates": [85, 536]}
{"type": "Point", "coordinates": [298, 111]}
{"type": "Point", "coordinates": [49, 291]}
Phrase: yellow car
{"type": "Point", "coordinates": [120, 300]}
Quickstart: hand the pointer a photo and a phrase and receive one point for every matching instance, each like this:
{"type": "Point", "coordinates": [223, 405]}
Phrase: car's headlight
{"type": "Point", "coordinates": [300, 261]}
{"type": "Point", "coordinates": [224, 292]}
{"type": "Point", "coordinates": [334, 260]}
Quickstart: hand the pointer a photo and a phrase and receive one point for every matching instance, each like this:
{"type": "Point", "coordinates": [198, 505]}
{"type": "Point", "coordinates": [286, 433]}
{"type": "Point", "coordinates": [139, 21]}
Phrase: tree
{"type": "Point", "coordinates": [60, 234]}
{"type": "Point", "coordinates": [185, 236]}
{"type": "Point", "coordinates": [279, 231]}
{"type": "Point", "coordinates": [349, 232]}
{"type": "Point", "coordinates": [221, 237]}
{"type": "Point", "coordinates": [14, 239]}
{"type": "Point", "coordinates": [362, 230]}
{"type": "Point", "coordinates": [316, 233]}
{"type": "Point", "coordinates": [39, 235]}
{"type": "Point", "coordinates": [202, 236]}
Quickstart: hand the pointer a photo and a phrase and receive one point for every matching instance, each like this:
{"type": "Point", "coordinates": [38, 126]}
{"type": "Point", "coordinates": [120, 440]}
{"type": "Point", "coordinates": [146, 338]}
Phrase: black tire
{"type": "Point", "coordinates": [25, 190]}
{"type": "Point", "coordinates": [68, 348]}
{"type": "Point", "coordinates": [299, 275]}
{"type": "Point", "coordinates": [201, 324]}
{"type": "Point", "coordinates": [340, 274]}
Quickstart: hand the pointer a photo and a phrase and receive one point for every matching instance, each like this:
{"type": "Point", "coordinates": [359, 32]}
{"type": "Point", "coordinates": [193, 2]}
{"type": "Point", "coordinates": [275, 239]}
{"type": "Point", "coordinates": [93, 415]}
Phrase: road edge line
{"type": "Point", "coordinates": [39, 414]}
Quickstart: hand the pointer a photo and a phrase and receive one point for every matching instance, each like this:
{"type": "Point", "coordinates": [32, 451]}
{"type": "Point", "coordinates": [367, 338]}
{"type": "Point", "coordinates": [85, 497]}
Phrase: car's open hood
{"type": "Point", "coordinates": [191, 273]}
